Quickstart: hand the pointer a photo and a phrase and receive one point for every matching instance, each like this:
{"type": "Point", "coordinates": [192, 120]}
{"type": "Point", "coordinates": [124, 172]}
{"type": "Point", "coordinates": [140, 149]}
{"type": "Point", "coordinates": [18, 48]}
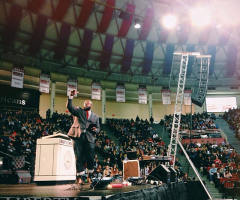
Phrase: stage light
{"type": "Point", "coordinates": [137, 24]}
{"type": "Point", "coordinates": [219, 26]}
{"type": "Point", "coordinates": [200, 16]}
{"type": "Point", "coordinates": [169, 21]}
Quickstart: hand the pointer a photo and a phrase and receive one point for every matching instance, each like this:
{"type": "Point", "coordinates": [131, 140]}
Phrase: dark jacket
{"type": "Point", "coordinates": [82, 119]}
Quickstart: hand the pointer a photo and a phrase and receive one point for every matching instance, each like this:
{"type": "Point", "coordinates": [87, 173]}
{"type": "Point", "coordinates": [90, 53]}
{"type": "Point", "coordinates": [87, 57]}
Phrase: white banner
{"type": "Point", "coordinates": [120, 93]}
{"type": "Point", "coordinates": [96, 91]}
{"type": "Point", "coordinates": [142, 95]}
{"type": "Point", "coordinates": [44, 84]}
{"type": "Point", "coordinates": [71, 85]}
{"type": "Point", "coordinates": [17, 77]}
{"type": "Point", "coordinates": [166, 97]}
{"type": "Point", "coordinates": [187, 97]}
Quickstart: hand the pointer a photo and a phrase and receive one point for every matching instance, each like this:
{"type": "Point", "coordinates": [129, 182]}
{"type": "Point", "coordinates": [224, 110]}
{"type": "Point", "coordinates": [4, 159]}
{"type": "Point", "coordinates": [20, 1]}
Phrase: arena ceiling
{"type": "Point", "coordinates": [96, 40]}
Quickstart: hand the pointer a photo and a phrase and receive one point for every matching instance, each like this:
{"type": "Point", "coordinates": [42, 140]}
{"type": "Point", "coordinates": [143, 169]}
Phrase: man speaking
{"type": "Point", "coordinates": [83, 132]}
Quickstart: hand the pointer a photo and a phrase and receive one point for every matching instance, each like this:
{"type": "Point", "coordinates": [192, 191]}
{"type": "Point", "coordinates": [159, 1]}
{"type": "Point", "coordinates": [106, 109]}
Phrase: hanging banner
{"type": "Point", "coordinates": [17, 77]}
{"type": "Point", "coordinates": [187, 97]}
{"type": "Point", "coordinates": [71, 85]}
{"type": "Point", "coordinates": [120, 93]}
{"type": "Point", "coordinates": [142, 95]}
{"type": "Point", "coordinates": [44, 84]}
{"type": "Point", "coordinates": [96, 91]}
{"type": "Point", "coordinates": [166, 97]}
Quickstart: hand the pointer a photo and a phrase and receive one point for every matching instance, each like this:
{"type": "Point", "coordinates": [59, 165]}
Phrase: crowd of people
{"type": "Point", "coordinates": [233, 119]}
{"type": "Point", "coordinates": [138, 136]}
{"type": "Point", "coordinates": [220, 162]}
{"type": "Point", "coordinates": [19, 131]}
{"type": "Point", "coordinates": [198, 121]}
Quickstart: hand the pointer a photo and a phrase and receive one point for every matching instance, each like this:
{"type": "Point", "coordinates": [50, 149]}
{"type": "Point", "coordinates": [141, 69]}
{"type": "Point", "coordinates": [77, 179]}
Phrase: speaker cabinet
{"type": "Point", "coordinates": [160, 173]}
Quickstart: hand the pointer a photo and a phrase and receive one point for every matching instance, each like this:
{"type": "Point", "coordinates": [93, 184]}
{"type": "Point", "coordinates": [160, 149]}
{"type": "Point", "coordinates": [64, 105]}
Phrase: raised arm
{"type": "Point", "coordinates": [73, 110]}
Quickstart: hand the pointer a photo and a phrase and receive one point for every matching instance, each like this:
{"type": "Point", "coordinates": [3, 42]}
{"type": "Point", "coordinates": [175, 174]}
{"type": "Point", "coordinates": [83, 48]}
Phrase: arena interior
{"type": "Point", "coordinates": [163, 77]}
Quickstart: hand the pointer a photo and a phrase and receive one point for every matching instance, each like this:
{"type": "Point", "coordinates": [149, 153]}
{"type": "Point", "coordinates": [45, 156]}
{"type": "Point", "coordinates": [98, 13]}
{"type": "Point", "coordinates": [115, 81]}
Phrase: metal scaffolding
{"type": "Point", "coordinates": [204, 69]}
{"type": "Point", "coordinates": [172, 148]}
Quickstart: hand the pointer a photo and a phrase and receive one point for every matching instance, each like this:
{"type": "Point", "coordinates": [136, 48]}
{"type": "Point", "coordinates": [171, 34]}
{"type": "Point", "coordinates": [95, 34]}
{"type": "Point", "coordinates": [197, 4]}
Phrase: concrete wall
{"type": "Point", "coordinates": [129, 110]}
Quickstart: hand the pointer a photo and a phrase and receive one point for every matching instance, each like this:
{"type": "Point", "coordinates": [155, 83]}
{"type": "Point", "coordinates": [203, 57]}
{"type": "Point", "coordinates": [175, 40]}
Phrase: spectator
{"type": "Point", "coordinates": [107, 171]}
{"type": "Point", "coordinates": [212, 172]}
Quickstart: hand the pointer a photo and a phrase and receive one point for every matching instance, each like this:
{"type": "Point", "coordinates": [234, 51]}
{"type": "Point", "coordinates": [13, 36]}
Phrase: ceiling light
{"type": "Point", "coordinates": [219, 26]}
{"type": "Point", "coordinates": [137, 24]}
{"type": "Point", "coordinates": [200, 16]}
{"type": "Point", "coordinates": [169, 21]}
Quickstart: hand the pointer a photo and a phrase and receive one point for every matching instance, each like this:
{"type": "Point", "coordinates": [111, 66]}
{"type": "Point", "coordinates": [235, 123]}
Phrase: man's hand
{"type": "Point", "coordinates": [73, 92]}
{"type": "Point", "coordinates": [94, 129]}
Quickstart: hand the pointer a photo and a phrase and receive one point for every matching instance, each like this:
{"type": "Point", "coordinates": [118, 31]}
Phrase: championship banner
{"type": "Point", "coordinates": [71, 85]}
{"type": "Point", "coordinates": [120, 93]}
{"type": "Point", "coordinates": [166, 97]}
{"type": "Point", "coordinates": [96, 91]}
{"type": "Point", "coordinates": [17, 77]}
{"type": "Point", "coordinates": [187, 97]}
{"type": "Point", "coordinates": [142, 95]}
{"type": "Point", "coordinates": [44, 84]}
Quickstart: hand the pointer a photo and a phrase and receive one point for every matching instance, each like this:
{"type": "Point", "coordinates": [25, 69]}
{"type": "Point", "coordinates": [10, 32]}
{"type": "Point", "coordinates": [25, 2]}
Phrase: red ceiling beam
{"type": "Point", "coordinates": [61, 9]}
{"type": "Point", "coordinates": [127, 22]}
{"type": "Point", "coordinates": [85, 13]}
{"type": "Point", "coordinates": [35, 5]}
{"type": "Point", "coordinates": [147, 24]}
{"type": "Point", "coordinates": [107, 16]}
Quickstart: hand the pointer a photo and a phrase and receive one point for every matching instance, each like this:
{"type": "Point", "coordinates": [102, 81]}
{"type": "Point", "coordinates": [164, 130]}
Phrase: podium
{"type": "Point", "coordinates": [55, 159]}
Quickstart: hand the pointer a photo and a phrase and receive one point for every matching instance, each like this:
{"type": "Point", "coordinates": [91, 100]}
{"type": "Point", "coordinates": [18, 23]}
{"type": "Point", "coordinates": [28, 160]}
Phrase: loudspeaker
{"type": "Point", "coordinates": [131, 168]}
{"type": "Point", "coordinates": [199, 101]}
{"type": "Point", "coordinates": [173, 174]}
{"type": "Point", "coordinates": [131, 155]}
{"type": "Point", "coordinates": [160, 173]}
{"type": "Point", "coordinates": [199, 92]}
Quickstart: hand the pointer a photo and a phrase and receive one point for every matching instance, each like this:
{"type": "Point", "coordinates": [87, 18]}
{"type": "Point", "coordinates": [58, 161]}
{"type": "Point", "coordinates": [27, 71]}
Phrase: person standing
{"type": "Point", "coordinates": [83, 132]}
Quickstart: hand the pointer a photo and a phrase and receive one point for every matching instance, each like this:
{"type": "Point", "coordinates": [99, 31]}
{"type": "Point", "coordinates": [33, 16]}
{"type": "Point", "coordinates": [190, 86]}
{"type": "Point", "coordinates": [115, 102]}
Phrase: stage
{"type": "Point", "coordinates": [173, 191]}
{"type": "Point", "coordinates": [65, 190]}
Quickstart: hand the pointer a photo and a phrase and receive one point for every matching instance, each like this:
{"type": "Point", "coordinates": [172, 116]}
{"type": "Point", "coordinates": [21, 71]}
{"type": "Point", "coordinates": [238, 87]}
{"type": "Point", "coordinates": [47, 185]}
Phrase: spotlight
{"type": "Point", "coordinates": [137, 24]}
{"type": "Point", "coordinates": [200, 16]}
{"type": "Point", "coordinates": [219, 26]}
{"type": "Point", "coordinates": [169, 21]}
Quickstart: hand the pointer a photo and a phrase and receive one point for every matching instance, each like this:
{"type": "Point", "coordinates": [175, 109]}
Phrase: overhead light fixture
{"type": "Point", "coordinates": [219, 26]}
{"type": "Point", "coordinates": [200, 16]}
{"type": "Point", "coordinates": [137, 24]}
{"type": "Point", "coordinates": [169, 21]}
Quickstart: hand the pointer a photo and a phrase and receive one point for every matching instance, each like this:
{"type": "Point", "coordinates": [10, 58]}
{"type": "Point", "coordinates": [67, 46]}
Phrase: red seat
{"type": "Point", "coordinates": [229, 184]}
